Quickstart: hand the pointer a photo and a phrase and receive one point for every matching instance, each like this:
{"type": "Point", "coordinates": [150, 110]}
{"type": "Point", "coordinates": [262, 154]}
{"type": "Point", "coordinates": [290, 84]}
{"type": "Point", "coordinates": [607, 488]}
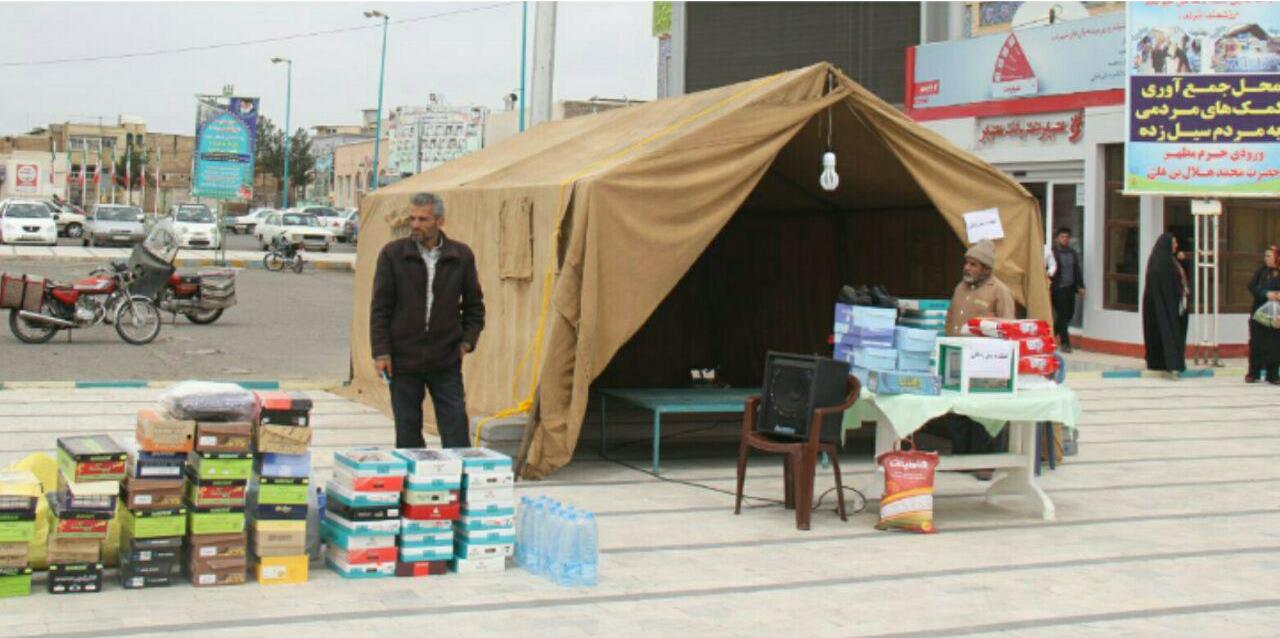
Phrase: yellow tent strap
{"type": "Point", "coordinates": [533, 351]}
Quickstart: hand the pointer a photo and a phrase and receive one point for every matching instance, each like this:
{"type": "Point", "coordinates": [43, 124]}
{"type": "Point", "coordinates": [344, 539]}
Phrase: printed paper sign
{"type": "Point", "coordinates": [983, 224]}
{"type": "Point", "coordinates": [989, 359]}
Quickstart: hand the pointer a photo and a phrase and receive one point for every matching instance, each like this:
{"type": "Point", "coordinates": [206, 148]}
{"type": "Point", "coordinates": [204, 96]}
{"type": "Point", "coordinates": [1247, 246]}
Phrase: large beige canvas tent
{"type": "Point", "coordinates": [627, 247]}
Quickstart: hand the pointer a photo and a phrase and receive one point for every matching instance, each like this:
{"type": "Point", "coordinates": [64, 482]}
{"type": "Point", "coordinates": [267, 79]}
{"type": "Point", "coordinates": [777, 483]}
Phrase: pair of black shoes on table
{"type": "Point", "coordinates": [863, 296]}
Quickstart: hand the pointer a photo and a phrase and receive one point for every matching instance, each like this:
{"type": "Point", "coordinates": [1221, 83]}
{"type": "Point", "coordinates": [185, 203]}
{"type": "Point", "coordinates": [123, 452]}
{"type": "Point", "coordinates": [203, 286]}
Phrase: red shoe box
{"type": "Point", "coordinates": [422, 568]}
{"type": "Point", "coordinates": [432, 512]}
{"type": "Point", "coordinates": [364, 556]}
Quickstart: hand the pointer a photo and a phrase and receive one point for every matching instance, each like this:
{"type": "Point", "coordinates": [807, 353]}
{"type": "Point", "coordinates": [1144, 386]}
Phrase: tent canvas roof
{"type": "Point", "coordinates": [581, 227]}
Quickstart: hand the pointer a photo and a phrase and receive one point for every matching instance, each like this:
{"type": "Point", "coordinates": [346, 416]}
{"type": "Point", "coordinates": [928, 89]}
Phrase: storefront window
{"type": "Point", "coordinates": [1121, 258]}
{"type": "Point", "coordinates": [1245, 230]}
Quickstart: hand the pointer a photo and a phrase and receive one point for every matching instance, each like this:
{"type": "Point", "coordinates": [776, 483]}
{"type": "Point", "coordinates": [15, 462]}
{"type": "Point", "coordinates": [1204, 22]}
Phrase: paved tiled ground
{"type": "Point", "coordinates": [1167, 526]}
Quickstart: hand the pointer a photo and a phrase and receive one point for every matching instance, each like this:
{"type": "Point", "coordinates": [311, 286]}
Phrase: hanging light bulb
{"type": "Point", "coordinates": [829, 179]}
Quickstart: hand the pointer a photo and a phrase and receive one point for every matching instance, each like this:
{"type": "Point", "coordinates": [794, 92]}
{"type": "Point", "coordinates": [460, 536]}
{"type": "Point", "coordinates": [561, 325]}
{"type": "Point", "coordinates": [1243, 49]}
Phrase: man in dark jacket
{"type": "Point", "coordinates": [427, 313]}
{"type": "Point", "coordinates": [1066, 284]}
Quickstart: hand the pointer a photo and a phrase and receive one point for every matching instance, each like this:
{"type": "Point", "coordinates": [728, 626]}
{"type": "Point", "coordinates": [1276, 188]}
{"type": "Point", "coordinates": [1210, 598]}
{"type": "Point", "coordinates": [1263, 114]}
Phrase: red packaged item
{"type": "Point", "coordinates": [356, 483]}
{"type": "Point", "coordinates": [1040, 365]}
{"type": "Point", "coordinates": [907, 503]}
{"type": "Point", "coordinates": [448, 512]}
{"type": "Point", "coordinates": [1036, 345]}
{"type": "Point", "coordinates": [1007, 328]}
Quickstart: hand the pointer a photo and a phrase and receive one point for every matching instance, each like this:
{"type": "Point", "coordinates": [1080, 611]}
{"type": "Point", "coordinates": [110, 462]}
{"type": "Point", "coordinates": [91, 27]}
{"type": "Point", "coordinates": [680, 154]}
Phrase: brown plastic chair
{"type": "Point", "coordinates": [801, 457]}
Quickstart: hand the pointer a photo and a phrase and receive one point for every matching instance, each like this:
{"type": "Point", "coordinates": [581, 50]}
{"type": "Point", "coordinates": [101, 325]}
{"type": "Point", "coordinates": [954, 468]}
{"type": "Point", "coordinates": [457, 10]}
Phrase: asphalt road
{"type": "Point", "coordinates": [284, 326]}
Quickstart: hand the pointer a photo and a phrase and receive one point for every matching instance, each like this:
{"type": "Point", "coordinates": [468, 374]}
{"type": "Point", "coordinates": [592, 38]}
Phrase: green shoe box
{"type": "Point", "coordinates": [216, 520]}
{"type": "Point", "coordinates": [17, 531]}
{"type": "Point", "coordinates": [215, 466]}
{"type": "Point", "coordinates": [15, 581]}
{"type": "Point", "coordinates": [155, 523]}
{"type": "Point", "coordinates": [282, 491]}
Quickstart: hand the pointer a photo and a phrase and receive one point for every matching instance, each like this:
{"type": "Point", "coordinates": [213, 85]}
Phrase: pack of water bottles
{"type": "Point", "coordinates": [557, 541]}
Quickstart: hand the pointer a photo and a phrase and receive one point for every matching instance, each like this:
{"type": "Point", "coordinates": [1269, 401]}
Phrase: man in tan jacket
{"type": "Point", "coordinates": [979, 294]}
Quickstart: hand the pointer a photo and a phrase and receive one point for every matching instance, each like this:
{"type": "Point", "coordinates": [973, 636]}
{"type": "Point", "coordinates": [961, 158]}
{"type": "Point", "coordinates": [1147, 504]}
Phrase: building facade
{"type": "Point", "coordinates": [353, 171]}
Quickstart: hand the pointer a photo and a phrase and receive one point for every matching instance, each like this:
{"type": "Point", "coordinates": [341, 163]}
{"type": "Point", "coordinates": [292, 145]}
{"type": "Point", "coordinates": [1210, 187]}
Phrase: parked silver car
{"type": "Point", "coordinates": [114, 224]}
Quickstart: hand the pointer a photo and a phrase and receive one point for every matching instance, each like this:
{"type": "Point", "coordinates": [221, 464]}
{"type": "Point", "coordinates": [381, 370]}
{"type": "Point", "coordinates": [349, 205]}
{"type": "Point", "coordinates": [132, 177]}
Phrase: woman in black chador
{"type": "Point", "coordinates": [1164, 309]}
{"type": "Point", "coordinates": [1264, 341]}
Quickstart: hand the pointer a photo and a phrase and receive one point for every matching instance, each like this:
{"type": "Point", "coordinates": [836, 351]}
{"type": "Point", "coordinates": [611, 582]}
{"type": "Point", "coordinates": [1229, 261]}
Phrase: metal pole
{"type": "Point", "coordinates": [113, 173]}
{"type": "Point", "coordinates": [84, 171]}
{"type": "Point", "coordinates": [524, 52]}
{"type": "Point", "coordinates": [288, 103]}
{"type": "Point", "coordinates": [1198, 309]}
{"type": "Point", "coordinates": [377, 131]}
{"type": "Point", "coordinates": [1217, 362]}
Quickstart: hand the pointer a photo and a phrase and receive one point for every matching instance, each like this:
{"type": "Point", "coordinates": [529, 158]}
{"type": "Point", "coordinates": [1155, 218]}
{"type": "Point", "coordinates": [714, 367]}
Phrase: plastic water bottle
{"type": "Point", "coordinates": [566, 567]}
{"type": "Point", "coordinates": [522, 521]}
{"type": "Point", "coordinates": [588, 550]}
{"type": "Point", "coordinates": [544, 538]}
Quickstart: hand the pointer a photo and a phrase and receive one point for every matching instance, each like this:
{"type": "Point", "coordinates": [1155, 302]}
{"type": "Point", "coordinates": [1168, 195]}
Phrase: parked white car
{"type": "Point", "coordinates": [27, 221]}
{"type": "Point", "coordinates": [329, 218]}
{"type": "Point", "coordinates": [115, 224]}
{"type": "Point", "coordinates": [196, 225]}
{"type": "Point", "coordinates": [294, 227]}
{"type": "Point", "coordinates": [248, 222]}
{"type": "Point", "coordinates": [70, 223]}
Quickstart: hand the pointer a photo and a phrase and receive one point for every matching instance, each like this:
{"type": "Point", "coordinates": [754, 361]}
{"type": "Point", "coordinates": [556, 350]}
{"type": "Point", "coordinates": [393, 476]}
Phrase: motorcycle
{"type": "Point", "coordinates": [47, 307]}
{"type": "Point", "coordinates": [201, 297]}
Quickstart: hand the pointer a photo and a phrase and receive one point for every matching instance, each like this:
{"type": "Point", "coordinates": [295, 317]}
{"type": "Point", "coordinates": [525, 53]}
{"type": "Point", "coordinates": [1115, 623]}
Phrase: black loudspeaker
{"type": "Point", "coordinates": [796, 385]}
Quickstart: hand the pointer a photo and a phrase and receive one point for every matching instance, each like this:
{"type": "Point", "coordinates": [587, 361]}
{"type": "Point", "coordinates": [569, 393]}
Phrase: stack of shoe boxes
{"type": "Point", "coordinates": [19, 495]}
{"type": "Point", "coordinates": [90, 469]}
{"type": "Point", "coordinates": [155, 517]}
{"type": "Point", "coordinates": [484, 535]}
{"type": "Point", "coordinates": [278, 504]}
{"type": "Point", "coordinates": [362, 517]}
{"type": "Point", "coordinates": [218, 473]}
{"type": "Point", "coordinates": [430, 504]}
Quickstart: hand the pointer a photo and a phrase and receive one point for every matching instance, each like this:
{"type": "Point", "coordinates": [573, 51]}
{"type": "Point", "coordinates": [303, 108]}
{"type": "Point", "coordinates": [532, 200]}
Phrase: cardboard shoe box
{"type": "Point", "coordinates": [14, 555]}
{"type": "Point", "coordinates": [232, 436]}
{"type": "Point", "coordinates": [140, 551]}
{"type": "Point", "coordinates": [18, 528]}
{"type": "Point", "coordinates": [284, 465]}
{"type": "Point", "coordinates": [15, 581]}
{"type": "Point", "coordinates": [143, 524]}
{"type": "Point", "coordinates": [216, 492]}
{"type": "Point", "coordinates": [91, 458]}
{"type": "Point", "coordinates": [149, 494]}
{"type": "Point", "coordinates": [478, 565]}
{"type": "Point", "coordinates": [284, 408]}
{"type": "Point", "coordinates": [361, 513]}
{"type": "Point", "coordinates": [148, 574]}
{"type": "Point", "coordinates": [422, 568]}
{"type": "Point", "coordinates": [74, 578]}
{"type": "Point", "coordinates": [282, 439]}
{"type": "Point", "coordinates": [157, 465]}
{"type": "Point", "coordinates": [206, 546]}
{"type": "Point", "coordinates": [268, 544]}
{"type": "Point", "coordinates": [424, 462]}
{"type": "Point", "coordinates": [216, 520]}
{"type": "Point", "coordinates": [158, 432]}
{"type": "Point", "coordinates": [215, 466]}
{"type": "Point", "coordinates": [277, 512]}
{"type": "Point", "coordinates": [214, 572]}
{"type": "Point", "coordinates": [283, 491]}
{"type": "Point", "coordinates": [281, 570]}
{"type": "Point", "coordinates": [73, 550]}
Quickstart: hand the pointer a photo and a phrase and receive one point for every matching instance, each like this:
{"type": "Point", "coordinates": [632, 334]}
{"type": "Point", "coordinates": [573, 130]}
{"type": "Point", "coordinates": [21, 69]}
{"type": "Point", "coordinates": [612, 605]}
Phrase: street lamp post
{"type": "Point", "coordinates": [382, 68]}
{"type": "Point", "coordinates": [288, 103]}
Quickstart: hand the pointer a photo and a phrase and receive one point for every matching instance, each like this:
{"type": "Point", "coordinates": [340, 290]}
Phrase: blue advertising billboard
{"type": "Point", "coordinates": [1203, 99]}
{"type": "Point", "coordinates": [226, 132]}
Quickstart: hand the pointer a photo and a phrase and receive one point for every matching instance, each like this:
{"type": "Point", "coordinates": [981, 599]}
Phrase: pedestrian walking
{"type": "Point", "coordinates": [426, 315]}
{"type": "Point", "coordinates": [1066, 284]}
